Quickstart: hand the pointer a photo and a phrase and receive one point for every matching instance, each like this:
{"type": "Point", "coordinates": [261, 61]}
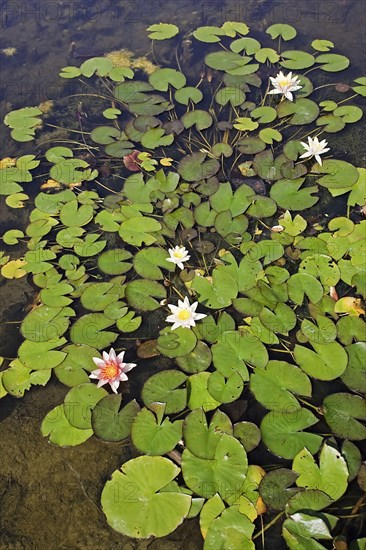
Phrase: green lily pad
{"type": "Point", "coordinates": [219, 292]}
{"type": "Point", "coordinates": [326, 362]}
{"type": "Point", "coordinates": [311, 499]}
{"type": "Point", "coordinates": [224, 474]}
{"type": "Point", "coordinates": [97, 297]}
{"type": "Point", "coordinates": [353, 457]}
{"type": "Point", "coordinates": [304, 111]}
{"type": "Point", "coordinates": [52, 204]}
{"type": "Point", "coordinates": [56, 426]}
{"type": "Point", "coordinates": [194, 167]}
{"type": "Point", "coordinates": [234, 349]}
{"type": "Point", "coordinates": [128, 322]}
{"type": "Point", "coordinates": [251, 145]}
{"type": "Point", "coordinates": [275, 385]}
{"type": "Point", "coordinates": [76, 365]}
{"type": "Point", "coordinates": [89, 330]}
{"type": "Point", "coordinates": [226, 61]}
{"type": "Point", "coordinates": [16, 379]}
{"type": "Point", "coordinates": [354, 375]}
{"type": "Point", "coordinates": [111, 113]}
{"type": "Point", "coordinates": [79, 402]}
{"type": "Point", "coordinates": [143, 294]}
{"type": "Point", "coordinates": [199, 396]}
{"type": "Point", "coordinates": [331, 123]}
{"type": "Point", "coordinates": [16, 200]}
{"type": "Point", "coordinates": [332, 62]}
{"type": "Point", "coordinates": [211, 331]}
{"type": "Point", "coordinates": [300, 530]}
{"type": "Point", "coordinates": [110, 422]}
{"type": "Point", "coordinates": [113, 262]}
{"type": "Point", "coordinates": [249, 45]}
{"type": "Point", "coordinates": [99, 65]}
{"type": "Point", "coordinates": [343, 413]}
{"type": "Point", "coordinates": [282, 432]}
{"type": "Point", "coordinates": [225, 391]}
{"type": "Point", "coordinates": [361, 89]}
{"type": "Point", "coordinates": [231, 95]}
{"type": "Point", "coordinates": [262, 207]}
{"type": "Point", "coordinates": [339, 173]}
{"type": "Point", "coordinates": [200, 119]}
{"type": "Point", "coordinates": [198, 360]}
{"type": "Point", "coordinates": [231, 530]}
{"type": "Point", "coordinates": [155, 137]}
{"type": "Point", "coordinates": [323, 267]}
{"type": "Point", "coordinates": [323, 332]}
{"type": "Point", "coordinates": [45, 324]}
{"type": "Point", "coordinates": [201, 439]}
{"type": "Point", "coordinates": [322, 45]}
{"type": "Point", "coordinates": [152, 436]}
{"type": "Point", "coordinates": [287, 194]}
{"type": "Point", "coordinates": [275, 488]}
{"type": "Point", "coordinates": [208, 34]}
{"type": "Point", "coordinates": [330, 476]}
{"type": "Point", "coordinates": [248, 434]}
{"type": "Point", "coordinates": [162, 31]}
{"type": "Point", "coordinates": [286, 32]}
{"type": "Point", "coordinates": [177, 342]}
{"type": "Point", "coordinates": [166, 387]}
{"type": "Point", "coordinates": [41, 355]}
{"type": "Point", "coordinates": [269, 135]}
{"type": "Point", "coordinates": [224, 199]}
{"type": "Point", "coordinates": [12, 236]}
{"type": "Point", "coordinates": [301, 284]}
{"type": "Point", "coordinates": [187, 94]}
{"type": "Point", "coordinates": [349, 113]}
{"type": "Point", "coordinates": [142, 510]}
{"type": "Point", "coordinates": [297, 59]}
{"type": "Point", "coordinates": [162, 78]}
{"type": "Point", "coordinates": [138, 230]}
{"type": "Point", "coordinates": [147, 263]}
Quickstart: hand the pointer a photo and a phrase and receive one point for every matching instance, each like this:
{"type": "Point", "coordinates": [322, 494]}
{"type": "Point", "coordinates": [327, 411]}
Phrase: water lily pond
{"type": "Point", "coordinates": [183, 274]}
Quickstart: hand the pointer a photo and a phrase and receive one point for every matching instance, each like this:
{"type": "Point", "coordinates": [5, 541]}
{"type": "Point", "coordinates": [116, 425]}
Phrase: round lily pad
{"type": "Point", "coordinates": [177, 342]}
{"type": "Point", "coordinates": [248, 434]}
{"type": "Point", "coordinates": [59, 430]}
{"type": "Point", "coordinates": [281, 432]}
{"type": "Point", "coordinates": [198, 360]}
{"type": "Point", "coordinates": [78, 359]}
{"type": "Point", "coordinates": [224, 474]}
{"type": "Point", "coordinates": [153, 436]}
{"type": "Point", "coordinates": [79, 402]}
{"type": "Point", "coordinates": [110, 422]}
{"type": "Point", "coordinates": [166, 387]}
{"type": "Point", "coordinates": [343, 413]}
{"type": "Point", "coordinates": [133, 503]}
{"type": "Point", "coordinates": [114, 262]}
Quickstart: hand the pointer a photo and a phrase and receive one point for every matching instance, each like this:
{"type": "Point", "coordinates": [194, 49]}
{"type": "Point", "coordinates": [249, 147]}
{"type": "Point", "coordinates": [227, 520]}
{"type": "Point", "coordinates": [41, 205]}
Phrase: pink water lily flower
{"type": "Point", "coordinates": [111, 369]}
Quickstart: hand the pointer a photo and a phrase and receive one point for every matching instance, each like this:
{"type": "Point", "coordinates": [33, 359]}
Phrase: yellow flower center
{"type": "Point", "coordinates": [178, 254]}
{"type": "Point", "coordinates": [110, 371]}
{"type": "Point", "coordinates": [184, 315]}
{"type": "Point", "coordinates": [283, 83]}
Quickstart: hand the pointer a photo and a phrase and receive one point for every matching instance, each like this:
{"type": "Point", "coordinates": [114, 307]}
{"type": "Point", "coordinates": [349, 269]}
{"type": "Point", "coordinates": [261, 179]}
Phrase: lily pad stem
{"type": "Point", "coordinates": [275, 519]}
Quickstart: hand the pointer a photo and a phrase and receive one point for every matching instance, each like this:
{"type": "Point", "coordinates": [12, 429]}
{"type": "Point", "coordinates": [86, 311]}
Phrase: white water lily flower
{"type": "Point", "coordinates": [314, 148]}
{"type": "Point", "coordinates": [111, 369]}
{"type": "Point", "coordinates": [285, 85]}
{"type": "Point", "coordinates": [178, 255]}
{"type": "Point", "coordinates": [184, 315]}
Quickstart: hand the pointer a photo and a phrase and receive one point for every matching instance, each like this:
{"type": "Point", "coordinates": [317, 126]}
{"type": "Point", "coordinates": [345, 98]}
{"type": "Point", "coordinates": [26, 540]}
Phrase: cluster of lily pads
{"type": "Point", "coordinates": [204, 207]}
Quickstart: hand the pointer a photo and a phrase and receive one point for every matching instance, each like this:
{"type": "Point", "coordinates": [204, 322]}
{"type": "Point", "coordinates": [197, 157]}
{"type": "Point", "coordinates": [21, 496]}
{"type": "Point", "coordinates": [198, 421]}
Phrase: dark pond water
{"type": "Point", "coordinates": [49, 497]}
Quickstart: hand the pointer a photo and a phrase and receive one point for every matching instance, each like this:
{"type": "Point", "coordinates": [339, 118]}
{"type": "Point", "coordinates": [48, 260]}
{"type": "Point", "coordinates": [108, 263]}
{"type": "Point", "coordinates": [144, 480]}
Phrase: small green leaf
{"type": "Point", "coordinates": [162, 31]}
{"type": "Point", "coordinates": [286, 32]}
